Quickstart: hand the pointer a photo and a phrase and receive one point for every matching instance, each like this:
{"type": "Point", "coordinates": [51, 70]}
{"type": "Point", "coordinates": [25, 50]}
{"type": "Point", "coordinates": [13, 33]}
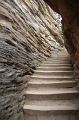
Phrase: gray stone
{"type": "Point", "coordinates": [27, 37]}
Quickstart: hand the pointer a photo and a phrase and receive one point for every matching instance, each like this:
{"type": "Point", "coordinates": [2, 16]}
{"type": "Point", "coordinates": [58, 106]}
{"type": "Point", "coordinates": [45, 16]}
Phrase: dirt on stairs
{"type": "Point", "coordinates": [52, 92]}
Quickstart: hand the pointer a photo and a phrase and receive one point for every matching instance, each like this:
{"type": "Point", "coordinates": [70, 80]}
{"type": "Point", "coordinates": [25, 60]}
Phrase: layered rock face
{"type": "Point", "coordinates": [28, 35]}
{"type": "Point", "coordinates": [69, 10]}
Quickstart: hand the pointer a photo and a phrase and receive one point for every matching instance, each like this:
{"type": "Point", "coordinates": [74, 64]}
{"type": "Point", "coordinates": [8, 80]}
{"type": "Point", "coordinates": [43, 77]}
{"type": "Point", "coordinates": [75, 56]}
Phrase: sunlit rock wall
{"type": "Point", "coordinates": [28, 35]}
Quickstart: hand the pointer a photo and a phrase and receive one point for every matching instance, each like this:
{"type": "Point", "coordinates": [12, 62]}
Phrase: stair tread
{"type": "Point", "coordinates": [54, 64]}
{"type": "Point", "coordinates": [52, 76]}
{"type": "Point", "coordinates": [55, 60]}
{"type": "Point", "coordinates": [58, 63]}
{"type": "Point", "coordinates": [54, 67]}
{"type": "Point", "coordinates": [52, 90]}
{"type": "Point", "coordinates": [49, 82]}
{"type": "Point", "coordinates": [52, 102]}
{"type": "Point", "coordinates": [53, 117]}
{"type": "Point", "coordinates": [45, 91]}
{"type": "Point", "coordinates": [46, 108]}
{"type": "Point", "coordinates": [51, 71]}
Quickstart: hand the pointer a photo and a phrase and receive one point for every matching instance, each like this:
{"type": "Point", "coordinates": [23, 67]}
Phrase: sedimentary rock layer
{"type": "Point", "coordinates": [69, 10]}
{"type": "Point", "coordinates": [28, 35]}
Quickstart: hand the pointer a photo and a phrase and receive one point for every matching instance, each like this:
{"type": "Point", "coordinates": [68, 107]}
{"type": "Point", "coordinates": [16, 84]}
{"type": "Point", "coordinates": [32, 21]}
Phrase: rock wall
{"type": "Point", "coordinates": [28, 35]}
{"type": "Point", "coordinates": [69, 10]}
{"type": "Point", "coordinates": [70, 21]}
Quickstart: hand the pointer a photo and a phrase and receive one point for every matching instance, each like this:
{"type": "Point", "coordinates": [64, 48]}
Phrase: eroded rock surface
{"type": "Point", "coordinates": [28, 35]}
{"type": "Point", "coordinates": [69, 10]}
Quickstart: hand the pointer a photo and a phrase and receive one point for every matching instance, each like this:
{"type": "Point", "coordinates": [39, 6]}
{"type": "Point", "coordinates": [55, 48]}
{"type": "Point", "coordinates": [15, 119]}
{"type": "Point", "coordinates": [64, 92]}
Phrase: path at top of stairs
{"type": "Point", "coordinates": [52, 92]}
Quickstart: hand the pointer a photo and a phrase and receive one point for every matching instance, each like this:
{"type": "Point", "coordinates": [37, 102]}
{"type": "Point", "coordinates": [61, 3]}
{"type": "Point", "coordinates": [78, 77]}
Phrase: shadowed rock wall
{"type": "Point", "coordinates": [28, 35]}
{"type": "Point", "coordinates": [69, 10]}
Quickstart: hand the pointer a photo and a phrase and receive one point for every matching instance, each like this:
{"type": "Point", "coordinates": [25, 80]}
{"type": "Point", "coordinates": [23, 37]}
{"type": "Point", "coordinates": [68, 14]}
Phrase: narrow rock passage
{"type": "Point", "coordinates": [52, 93]}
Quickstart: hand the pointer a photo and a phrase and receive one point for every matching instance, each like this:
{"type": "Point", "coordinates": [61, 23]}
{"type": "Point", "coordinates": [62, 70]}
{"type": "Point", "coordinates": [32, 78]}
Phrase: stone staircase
{"type": "Point", "coordinates": [52, 93]}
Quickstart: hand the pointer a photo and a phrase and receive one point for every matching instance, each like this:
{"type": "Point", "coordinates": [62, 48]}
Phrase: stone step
{"type": "Point", "coordinates": [56, 62]}
{"type": "Point", "coordinates": [72, 102]}
{"type": "Point", "coordinates": [46, 110]}
{"type": "Point", "coordinates": [60, 59]}
{"type": "Point", "coordinates": [64, 55]}
{"type": "Point", "coordinates": [45, 73]}
{"type": "Point", "coordinates": [67, 55]}
{"type": "Point", "coordinates": [55, 77]}
{"type": "Point", "coordinates": [61, 56]}
{"type": "Point", "coordinates": [56, 65]}
{"type": "Point", "coordinates": [72, 116]}
{"type": "Point", "coordinates": [63, 52]}
{"type": "Point", "coordinates": [54, 68]}
{"type": "Point", "coordinates": [55, 59]}
{"type": "Point", "coordinates": [51, 94]}
{"type": "Point", "coordinates": [53, 84]}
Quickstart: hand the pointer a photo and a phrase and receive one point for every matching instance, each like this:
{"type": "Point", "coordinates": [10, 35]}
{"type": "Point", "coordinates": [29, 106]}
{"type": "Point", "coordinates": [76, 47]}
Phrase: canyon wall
{"type": "Point", "coordinates": [70, 22]}
{"type": "Point", "coordinates": [69, 10]}
{"type": "Point", "coordinates": [28, 35]}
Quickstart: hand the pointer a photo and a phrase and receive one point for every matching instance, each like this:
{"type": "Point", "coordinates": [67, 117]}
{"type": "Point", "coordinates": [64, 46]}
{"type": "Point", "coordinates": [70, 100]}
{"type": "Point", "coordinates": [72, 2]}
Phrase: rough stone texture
{"type": "Point", "coordinates": [69, 10]}
{"type": "Point", "coordinates": [70, 21]}
{"type": "Point", "coordinates": [28, 35]}
{"type": "Point", "coordinates": [49, 92]}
